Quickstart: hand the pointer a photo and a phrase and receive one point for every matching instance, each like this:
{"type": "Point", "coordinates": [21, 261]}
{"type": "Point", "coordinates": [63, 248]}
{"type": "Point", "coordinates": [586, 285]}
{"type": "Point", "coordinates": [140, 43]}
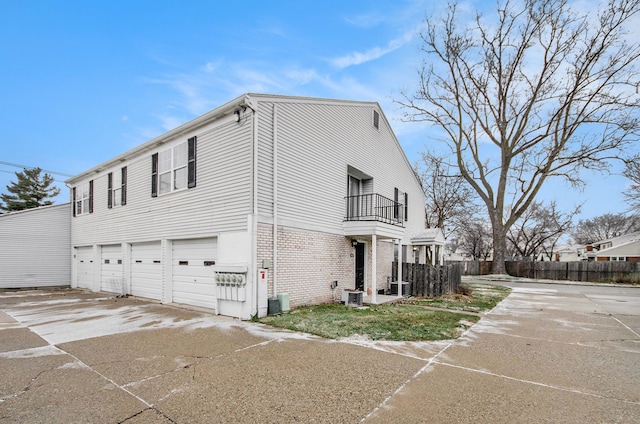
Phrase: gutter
{"type": "Point", "coordinates": [228, 108]}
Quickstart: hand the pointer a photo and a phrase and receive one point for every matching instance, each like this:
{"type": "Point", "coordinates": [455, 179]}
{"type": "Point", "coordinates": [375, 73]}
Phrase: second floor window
{"type": "Point", "coordinates": [117, 188]}
{"type": "Point", "coordinates": [174, 168]}
{"type": "Point", "coordinates": [83, 199]}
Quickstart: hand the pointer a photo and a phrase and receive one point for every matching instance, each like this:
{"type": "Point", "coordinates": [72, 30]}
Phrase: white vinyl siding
{"type": "Point", "coordinates": [316, 144]}
{"type": "Point", "coordinates": [192, 272]}
{"type": "Point", "coordinates": [220, 202]}
{"type": "Point", "coordinates": [35, 248]}
{"type": "Point", "coordinates": [146, 270]}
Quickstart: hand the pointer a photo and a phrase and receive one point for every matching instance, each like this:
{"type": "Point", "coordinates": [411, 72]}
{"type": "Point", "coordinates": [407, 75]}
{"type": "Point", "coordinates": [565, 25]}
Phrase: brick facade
{"type": "Point", "coordinates": [308, 261]}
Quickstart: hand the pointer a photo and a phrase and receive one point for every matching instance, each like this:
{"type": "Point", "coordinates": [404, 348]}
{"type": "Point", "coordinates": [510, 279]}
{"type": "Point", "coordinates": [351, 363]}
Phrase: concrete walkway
{"type": "Point", "coordinates": [561, 353]}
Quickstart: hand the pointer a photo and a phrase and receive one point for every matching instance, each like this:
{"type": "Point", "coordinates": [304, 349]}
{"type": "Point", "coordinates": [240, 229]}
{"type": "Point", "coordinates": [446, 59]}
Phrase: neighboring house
{"type": "Point", "coordinates": [569, 253]}
{"type": "Point", "coordinates": [624, 248]}
{"type": "Point", "coordinates": [188, 217]}
{"type": "Point", "coordinates": [35, 247]}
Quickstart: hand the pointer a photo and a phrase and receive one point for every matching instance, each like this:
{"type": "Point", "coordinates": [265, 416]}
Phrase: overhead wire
{"type": "Point", "coordinates": [46, 171]}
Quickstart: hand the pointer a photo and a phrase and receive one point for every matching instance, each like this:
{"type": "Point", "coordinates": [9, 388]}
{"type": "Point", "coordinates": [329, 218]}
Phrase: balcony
{"type": "Point", "coordinates": [374, 207]}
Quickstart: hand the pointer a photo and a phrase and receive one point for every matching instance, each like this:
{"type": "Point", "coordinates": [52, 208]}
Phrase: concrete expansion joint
{"type": "Point", "coordinates": [151, 408]}
{"type": "Point", "coordinates": [537, 383]}
{"type": "Point", "coordinates": [429, 363]}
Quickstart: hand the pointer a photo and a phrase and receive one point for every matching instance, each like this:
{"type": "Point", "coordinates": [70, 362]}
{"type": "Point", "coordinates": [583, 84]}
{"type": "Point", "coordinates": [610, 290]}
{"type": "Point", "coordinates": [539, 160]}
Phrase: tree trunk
{"type": "Point", "coordinates": [499, 248]}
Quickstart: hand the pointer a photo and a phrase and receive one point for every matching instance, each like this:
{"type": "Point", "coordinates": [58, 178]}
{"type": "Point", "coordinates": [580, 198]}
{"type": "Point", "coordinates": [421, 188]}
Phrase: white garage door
{"type": "Point", "coordinates": [84, 267]}
{"type": "Point", "coordinates": [193, 276]}
{"type": "Point", "coordinates": [146, 270]}
{"type": "Point", "coordinates": [111, 269]}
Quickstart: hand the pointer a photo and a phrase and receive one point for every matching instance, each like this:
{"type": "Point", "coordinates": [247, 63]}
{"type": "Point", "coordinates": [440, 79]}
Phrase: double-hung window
{"type": "Point", "coordinates": [117, 188]}
{"type": "Point", "coordinates": [83, 199]}
{"type": "Point", "coordinates": [174, 168]}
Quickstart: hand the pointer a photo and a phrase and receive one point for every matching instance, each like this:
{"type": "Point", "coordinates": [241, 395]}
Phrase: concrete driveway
{"type": "Point", "coordinates": [548, 353]}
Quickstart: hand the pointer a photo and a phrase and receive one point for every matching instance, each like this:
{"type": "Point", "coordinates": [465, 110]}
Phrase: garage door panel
{"type": "Point", "coordinates": [111, 269]}
{"type": "Point", "coordinates": [193, 281]}
{"type": "Point", "coordinates": [193, 271]}
{"type": "Point", "coordinates": [84, 267]}
{"type": "Point", "coordinates": [146, 270]}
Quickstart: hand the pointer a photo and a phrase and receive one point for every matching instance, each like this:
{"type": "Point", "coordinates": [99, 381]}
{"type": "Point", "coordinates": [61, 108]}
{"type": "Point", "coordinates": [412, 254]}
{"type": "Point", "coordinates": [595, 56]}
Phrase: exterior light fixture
{"type": "Point", "coordinates": [354, 242]}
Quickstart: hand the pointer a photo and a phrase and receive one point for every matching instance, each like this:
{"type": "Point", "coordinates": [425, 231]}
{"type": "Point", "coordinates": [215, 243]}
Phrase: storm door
{"type": "Point", "coordinates": [354, 198]}
{"type": "Point", "coordinates": [360, 266]}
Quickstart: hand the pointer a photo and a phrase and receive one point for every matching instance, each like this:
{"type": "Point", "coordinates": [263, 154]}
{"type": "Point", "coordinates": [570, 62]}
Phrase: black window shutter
{"type": "Point", "coordinates": [74, 202]}
{"type": "Point", "coordinates": [123, 193]}
{"type": "Point", "coordinates": [110, 190]}
{"type": "Point", "coordinates": [191, 164]}
{"type": "Point", "coordinates": [91, 196]}
{"type": "Point", "coordinates": [395, 204]}
{"type": "Point", "coordinates": [154, 175]}
{"type": "Point", "coordinates": [406, 207]}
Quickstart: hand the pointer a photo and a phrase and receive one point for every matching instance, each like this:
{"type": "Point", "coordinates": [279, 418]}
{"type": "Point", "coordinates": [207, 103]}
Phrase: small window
{"type": "Point", "coordinates": [406, 207]}
{"type": "Point", "coordinates": [376, 119]}
{"type": "Point", "coordinates": [106, 261]}
{"type": "Point", "coordinates": [83, 199]}
{"type": "Point", "coordinates": [117, 188]}
{"type": "Point", "coordinates": [396, 196]}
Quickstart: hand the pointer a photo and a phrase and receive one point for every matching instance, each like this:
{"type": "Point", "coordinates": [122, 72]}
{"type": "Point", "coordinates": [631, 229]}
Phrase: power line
{"type": "Point", "coordinates": [13, 173]}
{"type": "Point", "coordinates": [32, 167]}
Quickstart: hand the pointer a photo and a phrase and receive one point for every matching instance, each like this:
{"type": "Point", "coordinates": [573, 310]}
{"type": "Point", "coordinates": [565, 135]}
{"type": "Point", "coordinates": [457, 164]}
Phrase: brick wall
{"type": "Point", "coordinates": [383, 265]}
{"type": "Point", "coordinates": [308, 261]}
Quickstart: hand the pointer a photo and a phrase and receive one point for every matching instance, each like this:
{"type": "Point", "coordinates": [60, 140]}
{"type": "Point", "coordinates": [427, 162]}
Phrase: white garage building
{"type": "Point", "coordinates": [35, 246]}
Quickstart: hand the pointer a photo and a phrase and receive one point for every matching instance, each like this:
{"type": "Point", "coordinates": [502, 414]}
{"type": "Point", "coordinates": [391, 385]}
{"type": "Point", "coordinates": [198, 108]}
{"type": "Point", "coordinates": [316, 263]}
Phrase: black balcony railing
{"type": "Point", "coordinates": [374, 207]}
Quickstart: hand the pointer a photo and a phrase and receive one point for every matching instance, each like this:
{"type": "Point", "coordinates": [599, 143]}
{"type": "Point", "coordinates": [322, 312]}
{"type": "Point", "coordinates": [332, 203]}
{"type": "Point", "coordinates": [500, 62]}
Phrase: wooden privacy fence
{"type": "Point", "coordinates": [613, 272]}
{"type": "Point", "coordinates": [429, 280]}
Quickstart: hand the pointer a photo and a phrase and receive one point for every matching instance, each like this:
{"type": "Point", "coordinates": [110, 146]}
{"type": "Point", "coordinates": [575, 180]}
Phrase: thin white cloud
{"type": "Point", "coordinates": [367, 20]}
{"type": "Point", "coordinates": [358, 58]}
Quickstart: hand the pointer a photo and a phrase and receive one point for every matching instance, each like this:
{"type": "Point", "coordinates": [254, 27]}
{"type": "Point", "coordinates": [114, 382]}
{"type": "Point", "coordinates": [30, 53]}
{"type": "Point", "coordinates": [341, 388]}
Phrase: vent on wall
{"type": "Point", "coordinates": [376, 119]}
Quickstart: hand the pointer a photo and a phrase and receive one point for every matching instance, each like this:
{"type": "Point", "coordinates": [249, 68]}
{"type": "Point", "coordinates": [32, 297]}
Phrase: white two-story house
{"type": "Point", "coordinates": [262, 196]}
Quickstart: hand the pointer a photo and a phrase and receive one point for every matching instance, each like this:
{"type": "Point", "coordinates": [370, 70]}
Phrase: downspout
{"type": "Point", "coordinates": [275, 200]}
{"type": "Point", "coordinates": [254, 223]}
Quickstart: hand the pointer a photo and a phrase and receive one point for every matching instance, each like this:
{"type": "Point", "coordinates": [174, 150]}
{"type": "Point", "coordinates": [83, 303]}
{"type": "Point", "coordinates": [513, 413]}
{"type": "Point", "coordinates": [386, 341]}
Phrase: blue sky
{"type": "Point", "coordinates": [83, 81]}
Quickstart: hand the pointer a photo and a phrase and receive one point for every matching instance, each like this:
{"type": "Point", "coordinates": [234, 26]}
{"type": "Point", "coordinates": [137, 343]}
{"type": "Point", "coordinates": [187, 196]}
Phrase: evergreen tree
{"type": "Point", "coordinates": [30, 191]}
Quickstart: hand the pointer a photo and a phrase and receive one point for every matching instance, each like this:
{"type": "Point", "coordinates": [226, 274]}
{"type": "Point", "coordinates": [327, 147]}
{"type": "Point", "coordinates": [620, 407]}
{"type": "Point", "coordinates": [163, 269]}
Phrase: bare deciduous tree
{"type": "Point", "coordinates": [632, 193]}
{"type": "Point", "coordinates": [604, 227]}
{"type": "Point", "coordinates": [541, 91]}
{"type": "Point", "coordinates": [538, 230]}
{"type": "Point", "coordinates": [473, 240]}
{"type": "Point", "coordinates": [449, 197]}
